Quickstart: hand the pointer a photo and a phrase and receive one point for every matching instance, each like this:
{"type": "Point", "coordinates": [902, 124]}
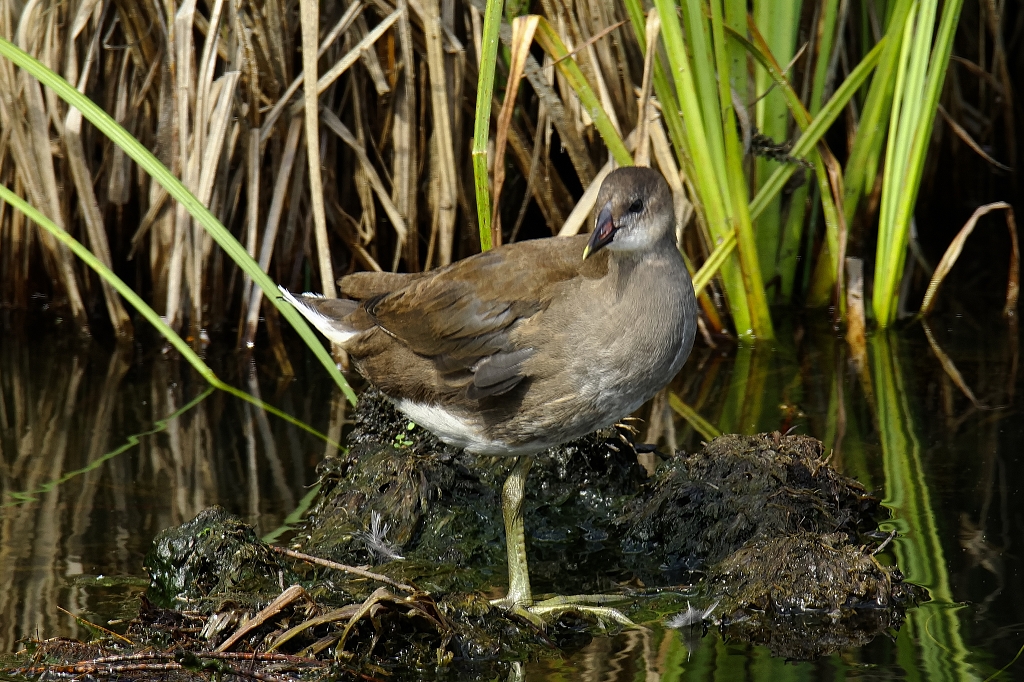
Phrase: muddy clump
{"type": "Point", "coordinates": [807, 595]}
{"type": "Point", "coordinates": [701, 508]}
{"type": "Point", "coordinates": [780, 543]}
{"type": "Point", "coordinates": [209, 560]}
{"type": "Point", "coordinates": [407, 503]}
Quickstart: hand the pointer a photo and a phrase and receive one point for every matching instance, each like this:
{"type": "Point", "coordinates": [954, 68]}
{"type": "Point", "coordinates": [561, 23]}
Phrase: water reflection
{"type": "Point", "coordinates": [79, 500]}
{"type": "Point", "coordinates": [946, 465]}
{"type": "Point", "coordinates": [935, 627]}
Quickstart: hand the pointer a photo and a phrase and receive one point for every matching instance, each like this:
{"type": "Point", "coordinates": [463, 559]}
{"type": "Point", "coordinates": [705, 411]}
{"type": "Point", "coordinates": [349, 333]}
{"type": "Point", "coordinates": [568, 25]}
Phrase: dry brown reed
{"type": "Point", "coordinates": [215, 88]}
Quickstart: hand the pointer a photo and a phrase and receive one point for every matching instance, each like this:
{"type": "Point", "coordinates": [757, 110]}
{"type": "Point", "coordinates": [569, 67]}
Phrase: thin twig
{"type": "Point", "coordinates": [596, 37]}
{"type": "Point", "coordinates": [327, 563]}
{"type": "Point", "coordinates": [962, 133]}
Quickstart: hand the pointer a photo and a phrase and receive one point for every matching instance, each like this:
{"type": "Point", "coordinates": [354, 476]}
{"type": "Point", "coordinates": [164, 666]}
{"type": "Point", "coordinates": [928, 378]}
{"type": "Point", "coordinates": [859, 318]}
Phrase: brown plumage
{"type": "Point", "coordinates": [528, 345]}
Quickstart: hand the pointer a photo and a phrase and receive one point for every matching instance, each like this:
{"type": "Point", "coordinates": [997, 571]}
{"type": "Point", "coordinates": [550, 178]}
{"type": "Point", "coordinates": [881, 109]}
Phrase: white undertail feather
{"type": "Point", "coordinates": [333, 330]}
{"type": "Point", "coordinates": [460, 432]}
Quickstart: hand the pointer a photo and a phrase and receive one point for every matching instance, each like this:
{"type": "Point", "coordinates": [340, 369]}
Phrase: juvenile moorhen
{"type": "Point", "coordinates": [529, 345]}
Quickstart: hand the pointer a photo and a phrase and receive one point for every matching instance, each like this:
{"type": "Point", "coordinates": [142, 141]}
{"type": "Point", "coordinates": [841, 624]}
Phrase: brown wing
{"type": "Point", "coordinates": [364, 285]}
{"type": "Point", "coordinates": [461, 319]}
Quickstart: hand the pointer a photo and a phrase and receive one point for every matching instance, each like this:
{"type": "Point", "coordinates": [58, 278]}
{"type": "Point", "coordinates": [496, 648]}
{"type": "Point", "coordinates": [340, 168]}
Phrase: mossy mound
{"type": "Point", "coordinates": [210, 560]}
{"type": "Point", "coordinates": [441, 507]}
{"type": "Point", "coordinates": [701, 508]}
{"type": "Point", "coordinates": [760, 527]}
{"type": "Point", "coordinates": [808, 594]}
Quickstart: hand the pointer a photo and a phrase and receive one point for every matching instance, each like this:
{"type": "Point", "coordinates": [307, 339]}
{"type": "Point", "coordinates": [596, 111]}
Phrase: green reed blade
{"type": "Point", "coordinates": [670, 110]}
{"type": "Point", "coordinates": [482, 120]}
{"type": "Point", "coordinates": [695, 141]}
{"type": "Point", "coordinates": [777, 22]}
{"type": "Point", "coordinates": [701, 425]}
{"type": "Point", "coordinates": [899, 193]}
{"type": "Point", "coordinates": [862, 165]}
{"type": "Point", "coordinates": [80, 250]}
{"type": "Point", "coordinates": [793, 229]}
{"type": "Point", "coordinates": [814, 129]}
{"type": "Point", "coordinates": [757, 301]}
{"type": "Point", "coordinates": [826, 271]}
{"type": "Point", "coordinates": [703, 65]}
{"type": "Point", "coordinates": [553, 45]}
{"type": "Point", "coordinates": [159, 172]}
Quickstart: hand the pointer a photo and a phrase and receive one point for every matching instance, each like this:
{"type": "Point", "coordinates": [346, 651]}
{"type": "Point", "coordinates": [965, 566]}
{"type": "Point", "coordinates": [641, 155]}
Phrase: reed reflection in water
{"type": "Point", "coordinates": [948, 466]}
{"type": "Point", "coordinates": [78, 499]}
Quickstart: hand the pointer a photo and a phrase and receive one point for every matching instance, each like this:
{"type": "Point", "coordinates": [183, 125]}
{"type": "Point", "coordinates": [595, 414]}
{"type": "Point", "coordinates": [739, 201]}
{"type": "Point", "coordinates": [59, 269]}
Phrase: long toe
{"type": "Point", "coordinates": [543, 613]}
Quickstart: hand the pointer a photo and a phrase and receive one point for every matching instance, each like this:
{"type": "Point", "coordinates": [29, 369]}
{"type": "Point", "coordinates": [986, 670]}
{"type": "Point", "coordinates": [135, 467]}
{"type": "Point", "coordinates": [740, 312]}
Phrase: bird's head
{"type": "Point", "coordinates": [635, 211]}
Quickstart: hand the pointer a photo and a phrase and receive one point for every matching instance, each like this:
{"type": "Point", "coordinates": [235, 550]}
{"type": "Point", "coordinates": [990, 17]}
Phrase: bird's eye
{"type": "Point", "coordinates": [637, 206]}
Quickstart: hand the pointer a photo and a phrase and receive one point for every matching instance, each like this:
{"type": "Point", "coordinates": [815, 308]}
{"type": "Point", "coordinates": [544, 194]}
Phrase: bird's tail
{"type": "Point", "coordinates": [326, 314]}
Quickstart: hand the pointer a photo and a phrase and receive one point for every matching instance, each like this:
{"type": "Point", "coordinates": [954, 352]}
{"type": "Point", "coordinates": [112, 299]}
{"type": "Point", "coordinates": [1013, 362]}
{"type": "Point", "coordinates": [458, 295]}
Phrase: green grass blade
{"type": "Point", "coordinates": [912, 134]}
{"type": "Point", "coordinates": [793, 230]}
{"type": "Point", "coordinates": [826, 270]}
{"type": "Point", "coordinates": [862, 165]}
{"type": "Point", "coordinates": [736, 19]}
{"type": "Point", "coordinates": [804, 146]}
{"type": "Point", "coordinates": [482, 122]}
{"type": "Point", "coordinates": [134, 149]}
{"type": "Point", "coordinates": [670, 110]}
{"type": "Point", "coordinates": [705, 79]}
{"type": "Point", "coordinates": [143, 308]}
{"type": "Point", "coordinates": [777, 23]}
{"type": "Point", "coordinates": [116, 282]}
{"type": "Point", "coordinates": [827, 37]}
{"type": "Point", "coordinates": [711, 191]}
{"type": "Point", "coordinates": [701, 425]}
{"type": "Point", "coordinates": [813, 129]}
{"type": "Point", "coordinates": [750, 267]}
{"type": "Point", "coordinates": [553, 45]}
{"type": "Point", "coordinates": [714, 262]}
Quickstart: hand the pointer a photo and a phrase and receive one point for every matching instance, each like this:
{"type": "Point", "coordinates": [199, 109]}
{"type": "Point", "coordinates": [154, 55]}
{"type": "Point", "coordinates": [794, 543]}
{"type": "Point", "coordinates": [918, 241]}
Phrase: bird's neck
{"type": "Point", "coordinates": [628, 260]}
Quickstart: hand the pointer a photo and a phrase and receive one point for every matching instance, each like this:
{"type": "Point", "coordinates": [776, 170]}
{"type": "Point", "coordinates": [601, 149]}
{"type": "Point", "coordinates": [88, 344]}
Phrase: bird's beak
{"type": "Point", "coordinates": [604, 232]}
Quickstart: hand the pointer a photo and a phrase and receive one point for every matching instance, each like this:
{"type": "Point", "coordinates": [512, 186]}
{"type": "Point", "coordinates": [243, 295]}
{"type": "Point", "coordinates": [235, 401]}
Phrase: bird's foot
{"type": "Point", "coordinates": [541, 613]}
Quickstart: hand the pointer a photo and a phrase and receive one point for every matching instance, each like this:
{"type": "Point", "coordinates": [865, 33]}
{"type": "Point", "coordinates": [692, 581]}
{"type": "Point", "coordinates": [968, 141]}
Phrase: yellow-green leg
{"type": "Point", "coordinates": [519, 594]}
{"type": "Point", "coordinates": [519, 598]}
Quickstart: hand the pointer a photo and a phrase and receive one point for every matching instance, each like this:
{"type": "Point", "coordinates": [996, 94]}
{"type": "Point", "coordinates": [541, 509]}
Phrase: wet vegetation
{"type": "Point", "coordinates": [792, 141]}
{"type": "Point", "coordinates": [428, 519]}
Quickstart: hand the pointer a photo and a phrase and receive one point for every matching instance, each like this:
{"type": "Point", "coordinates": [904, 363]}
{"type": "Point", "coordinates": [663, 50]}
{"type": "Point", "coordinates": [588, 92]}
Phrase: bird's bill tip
{"type": "Point", "coordinates": [604, 231]}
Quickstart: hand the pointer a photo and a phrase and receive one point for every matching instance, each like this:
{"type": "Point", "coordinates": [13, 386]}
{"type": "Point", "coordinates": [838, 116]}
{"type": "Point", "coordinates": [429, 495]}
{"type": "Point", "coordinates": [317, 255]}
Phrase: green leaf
{"type": "Point", "coordinates": [482, 120]}
{"type": "Point", "coordinates": [147, 312]}
{"type": "Point", "coordinates": [553, 45]}
{"type": "Point", "coordinates": [134, 149]}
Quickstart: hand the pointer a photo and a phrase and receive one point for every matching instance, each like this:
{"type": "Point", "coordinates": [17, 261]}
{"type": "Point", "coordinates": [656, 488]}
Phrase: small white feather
{"type": "Point", "coordinates": [332, 329]}
{"type": "Point", "coordinates": [461, 433]}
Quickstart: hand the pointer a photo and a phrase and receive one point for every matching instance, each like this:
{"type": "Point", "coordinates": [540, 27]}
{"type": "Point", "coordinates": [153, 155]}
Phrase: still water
{"type": "Point", "coordinates": [101, 449]}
